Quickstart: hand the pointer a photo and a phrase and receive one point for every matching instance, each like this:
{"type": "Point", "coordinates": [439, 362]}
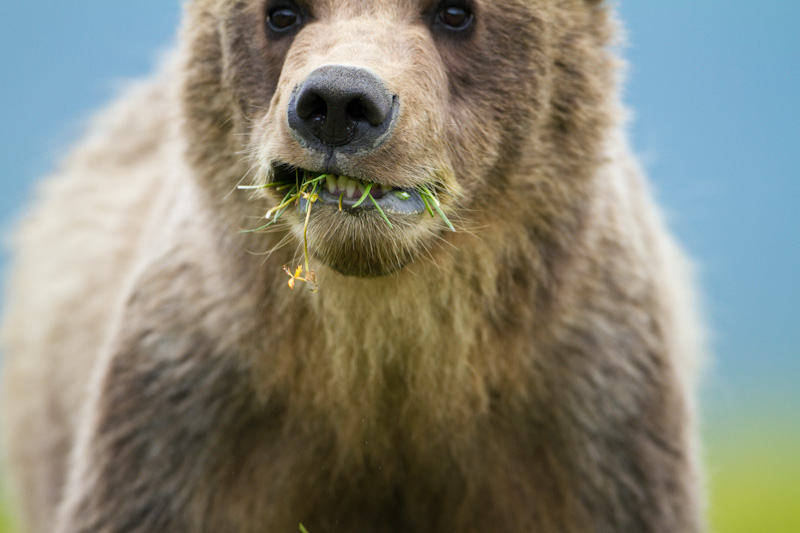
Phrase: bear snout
{"type": "Point", "coordinates": [342, 108]}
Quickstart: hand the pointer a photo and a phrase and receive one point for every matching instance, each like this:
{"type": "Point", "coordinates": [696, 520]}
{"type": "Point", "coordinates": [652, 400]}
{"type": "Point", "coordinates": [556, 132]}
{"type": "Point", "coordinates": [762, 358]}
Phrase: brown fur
{"type": "Point", "coordinates": [531, 372]}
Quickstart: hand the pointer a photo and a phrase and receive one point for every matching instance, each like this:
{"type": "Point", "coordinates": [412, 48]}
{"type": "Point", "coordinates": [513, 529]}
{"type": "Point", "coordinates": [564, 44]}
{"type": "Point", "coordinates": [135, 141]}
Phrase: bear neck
{"type": "Point", "coordinates": [413, 345]}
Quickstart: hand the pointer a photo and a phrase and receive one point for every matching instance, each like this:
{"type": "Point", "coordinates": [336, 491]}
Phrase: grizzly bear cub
{"type": "Point", "coordinates": [531, 371]}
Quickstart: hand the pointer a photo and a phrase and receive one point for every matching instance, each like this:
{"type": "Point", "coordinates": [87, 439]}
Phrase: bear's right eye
{"type": "Point", "coordinates": [453, 17]}
{"type": "Point", "coordinates": [282, 19]}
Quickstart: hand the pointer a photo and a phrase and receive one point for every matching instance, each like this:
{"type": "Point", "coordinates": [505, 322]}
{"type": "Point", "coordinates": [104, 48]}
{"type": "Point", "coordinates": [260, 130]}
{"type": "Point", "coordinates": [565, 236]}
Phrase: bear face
{"type": "Point", "coordinates": [458, 91]}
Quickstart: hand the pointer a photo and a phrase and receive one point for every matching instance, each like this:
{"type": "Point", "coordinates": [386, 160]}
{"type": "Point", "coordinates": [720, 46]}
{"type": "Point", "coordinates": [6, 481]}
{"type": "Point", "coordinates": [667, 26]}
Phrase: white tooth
{"type": "Point", "coordinates": [330, 181]}
{"type": "Point", "coordinates": [342, 183]}
{"type": "Point", "coordinates": [361, 187]}
{"type": "Point", "coordinates": [351, 187]}
{"type": "Point", "coordinates": [385, 188]}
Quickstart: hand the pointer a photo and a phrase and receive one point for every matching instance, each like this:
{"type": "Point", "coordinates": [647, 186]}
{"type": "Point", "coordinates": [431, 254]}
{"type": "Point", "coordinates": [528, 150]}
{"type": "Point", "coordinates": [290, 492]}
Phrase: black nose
{"type": "Point", "coordinates": [341, 107]}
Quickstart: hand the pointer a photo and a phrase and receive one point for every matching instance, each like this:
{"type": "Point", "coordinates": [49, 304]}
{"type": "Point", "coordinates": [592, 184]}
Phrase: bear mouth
{"type": "Point", "coordinates": [350, 195]}
{"type": "Point", "coordinates": [348, 210]}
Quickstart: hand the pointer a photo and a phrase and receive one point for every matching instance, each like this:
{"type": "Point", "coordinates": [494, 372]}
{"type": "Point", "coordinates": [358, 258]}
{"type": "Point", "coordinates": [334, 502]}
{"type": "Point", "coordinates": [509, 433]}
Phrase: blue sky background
{"type": "Point", "coordinates": [715, 90]}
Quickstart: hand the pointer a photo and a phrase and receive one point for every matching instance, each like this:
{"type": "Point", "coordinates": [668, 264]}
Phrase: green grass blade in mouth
{"type": "Point", "coordinates": [432, 201]}
{"type": "Point", "coordinates": [307, 181]}
{"type": "Point", "coordinates": [364, 196]}
{"type": "Point", "coordinates": [385, 218]}
{"type": "Point", "coordinates": [309, 201]}
{"type": "Point", "coordinates": [275, 184]}
{"type": "Point", "coordinates": [444, 217]}
{"type": "Point", "coordinates": [275, 213]}
{"type": "Point", "coordinates": [260, 228]}
{"type": "Point", "coordinates": [315, 180]}
{"type": "Point", "coordinates": [426, 201]}
{"type": "Point", "coordinates": [290, 197]}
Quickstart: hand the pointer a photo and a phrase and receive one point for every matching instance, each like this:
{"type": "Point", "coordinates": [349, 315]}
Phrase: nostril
{"type": "Point", "coordinates": [311, 106]}
{"type": "Point", "coordinates": [373, 110]}
{"type": "Point", "coordinates": [355, 110]}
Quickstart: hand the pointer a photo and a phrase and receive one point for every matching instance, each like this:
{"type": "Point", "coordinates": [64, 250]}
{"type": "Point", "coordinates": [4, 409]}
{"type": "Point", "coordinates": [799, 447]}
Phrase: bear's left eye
{"type": "Point", "coordinates": [455, 16]}
{"type": "Point", "coordinates": [282, 19]}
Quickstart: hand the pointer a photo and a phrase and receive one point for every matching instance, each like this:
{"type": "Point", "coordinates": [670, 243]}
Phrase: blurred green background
{"type": "Point", "coordinates": [714, 86]}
